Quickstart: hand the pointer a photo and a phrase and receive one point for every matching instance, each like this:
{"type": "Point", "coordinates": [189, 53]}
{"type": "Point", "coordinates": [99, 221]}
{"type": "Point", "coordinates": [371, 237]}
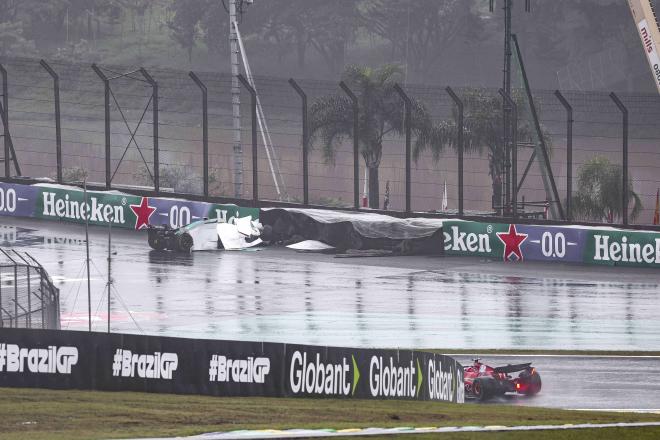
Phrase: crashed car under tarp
{"type": "Point", "coordinates": [207, 234]}
{"type": "Point", "coordinates": [352, 230]}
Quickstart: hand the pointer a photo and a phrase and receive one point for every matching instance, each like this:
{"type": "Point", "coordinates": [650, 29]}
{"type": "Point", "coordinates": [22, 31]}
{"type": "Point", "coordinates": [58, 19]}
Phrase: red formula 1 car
{"type": "Point", "coordinates": [483, 382]}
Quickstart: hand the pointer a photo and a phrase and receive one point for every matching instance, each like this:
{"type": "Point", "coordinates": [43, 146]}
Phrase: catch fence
{"type": "Point", "coordinates": [28, 298]}
{"type": "Point", "coordinates": [114, 144]}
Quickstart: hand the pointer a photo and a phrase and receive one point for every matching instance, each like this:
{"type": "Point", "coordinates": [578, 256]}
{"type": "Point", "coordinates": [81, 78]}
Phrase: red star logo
{"type": "Point", "coordinates": [512, 241]}
{"type": "Point", "coordinates": [143, 213]}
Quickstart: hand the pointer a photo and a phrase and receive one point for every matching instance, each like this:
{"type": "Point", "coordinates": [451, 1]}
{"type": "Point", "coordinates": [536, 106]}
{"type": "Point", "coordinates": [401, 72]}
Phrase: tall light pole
{"type": "Point", "coordinates": [235, 102]}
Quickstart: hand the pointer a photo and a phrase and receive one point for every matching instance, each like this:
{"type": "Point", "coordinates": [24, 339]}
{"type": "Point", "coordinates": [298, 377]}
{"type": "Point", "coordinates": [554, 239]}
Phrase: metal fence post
{"type": "Point", "coordinates": [58, 128]}
{"type": "Point", "coordinates": [459, 146]}
{"type": "Point", "coordinates": [305, 139]}
{"type": "Point", "coordinates": [513, 198]}
{"type": "Point", "coordinates": [205, 129]}
{"type": "Point", "coordinates": [154, 107]}
{"type": "Point", "coordinates": [356, 144]}
{"type": "Point", "coordinates": [624, 197]}
{"type": "Point", "coordinates": [253, 111]}
{"type": "Point", "coordinates": [569, 153]}
{"type": "Point", "coordinates": [407, 103]}
{"type": "Point", "coordinates": [5, 120]}
{"type": "Point", "coordinates": [106, 105]}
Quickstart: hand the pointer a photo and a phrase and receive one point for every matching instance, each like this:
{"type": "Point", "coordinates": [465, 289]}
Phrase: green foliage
{"type": "Point", "coordinates": [421, 31]}
{"type": "Point", "coordinates": [381, 113]}
{"type": "Point", "coordinates": [13, 42]}
{"type": "Point", "coordinates": [599, 192]}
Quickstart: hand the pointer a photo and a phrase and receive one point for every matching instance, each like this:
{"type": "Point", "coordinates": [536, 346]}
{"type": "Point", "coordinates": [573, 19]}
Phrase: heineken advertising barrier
{"type": "Point", "coordinates": [572, 244]}
{"type": "Point", "coordinates": [67, 203]}
{"type": "Point", "coordinates": [117, 362]}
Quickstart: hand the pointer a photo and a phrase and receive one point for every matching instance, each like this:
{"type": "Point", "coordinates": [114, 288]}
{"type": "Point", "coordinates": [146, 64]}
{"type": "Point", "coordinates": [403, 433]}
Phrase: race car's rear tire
{"type": "Point", "coordinates": [483, 388]}
{"type": "Point", "coordinates": [184, 242]}
{"type": "Point", "coordinates": [155, 242]}
{"type": "Point", "coordinates": [533, 382]}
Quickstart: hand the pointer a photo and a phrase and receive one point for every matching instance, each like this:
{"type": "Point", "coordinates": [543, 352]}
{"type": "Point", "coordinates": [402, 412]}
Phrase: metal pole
{"type": "Point", "coordinates": [624, 197]}
{"type": "Point", "coordinates": [109, 265]}
{"type": "Point", "coordinates": [154, 107]}
{"type": "Point", "coordinates": [236, 102]}
{"type": "Point", "coordinates": [356, 144]}
{"type": "Point", "coordinates": [506, 196]}
{"type": "Point", "coordinates": [89, 281]}
{"type": "Point", "coordinates": [106, 104]}
{"type": "Point", "coordinates": [459, 146]}
{"type": "Point", "coordinates": [253, 111]}
{"type": "Point", "coordinates": [305, 140]}
{"type": "Point", "coordinates": [407, 102]}
{"type": "Point", "coordinates": [58, 128]}
{"type": "Point", "coordinates": [205, 129]}
{"type": "Point", "coordinates": [514, 152]}
{"type": "Point", "coordinates": [569, 153]}
{"type": "Point", "coordinates": [5, 119]}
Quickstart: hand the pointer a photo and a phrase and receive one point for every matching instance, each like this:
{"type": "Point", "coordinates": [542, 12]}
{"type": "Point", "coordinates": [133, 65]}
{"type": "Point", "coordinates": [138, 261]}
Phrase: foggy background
{"type": "Point", "coordinates": [586, 48]}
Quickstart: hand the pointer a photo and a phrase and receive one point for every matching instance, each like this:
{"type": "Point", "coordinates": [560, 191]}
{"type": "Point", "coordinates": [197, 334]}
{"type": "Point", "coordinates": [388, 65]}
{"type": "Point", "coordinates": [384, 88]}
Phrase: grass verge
{"type": "Point", "coordinates": [504, 352]}
{"type": "Point", "coordinates": [55, 415]}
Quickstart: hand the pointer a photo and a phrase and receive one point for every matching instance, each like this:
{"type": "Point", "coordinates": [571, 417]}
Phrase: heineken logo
{"type": "Point", "coordinates": [512, 241]}
{"type": "Point", "coordinates": [606, 249]}
{"type": "Point", "coordinates": [92, 210]}
{"type": "Point", "coordinates": [143, 213]}
{"type": "Point", "coordinates": [472, 242]}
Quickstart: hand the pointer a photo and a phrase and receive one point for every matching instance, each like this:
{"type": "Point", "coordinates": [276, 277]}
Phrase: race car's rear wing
{"type": "Point", "coordinates": [512, 368]}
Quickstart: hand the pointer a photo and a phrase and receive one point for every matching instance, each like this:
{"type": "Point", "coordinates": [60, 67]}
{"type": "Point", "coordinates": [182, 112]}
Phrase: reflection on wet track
{"type": "Point", "coordinates": [279, 295]}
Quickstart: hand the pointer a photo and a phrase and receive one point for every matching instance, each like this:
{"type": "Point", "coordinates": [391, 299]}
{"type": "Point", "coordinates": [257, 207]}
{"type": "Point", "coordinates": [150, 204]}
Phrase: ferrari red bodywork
{"type": "Point", "coordinates": [483, 382]}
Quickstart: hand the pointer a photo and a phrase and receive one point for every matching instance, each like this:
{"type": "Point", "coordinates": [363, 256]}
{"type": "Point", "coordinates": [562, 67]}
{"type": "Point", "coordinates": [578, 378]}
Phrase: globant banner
{"type": "Point", "coordinates": [572, 244]}
{"type": "Point", "coordinates": [68, 203]}
{"type": "Point", "coordinates": [117, 362]}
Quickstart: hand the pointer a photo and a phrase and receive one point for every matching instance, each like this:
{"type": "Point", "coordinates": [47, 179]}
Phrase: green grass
{"type": "Point", "coordinates": [50, 415]}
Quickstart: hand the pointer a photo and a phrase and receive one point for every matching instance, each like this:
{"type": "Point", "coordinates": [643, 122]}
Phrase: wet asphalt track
{"type": "Point", "coordinates": [422, 302]}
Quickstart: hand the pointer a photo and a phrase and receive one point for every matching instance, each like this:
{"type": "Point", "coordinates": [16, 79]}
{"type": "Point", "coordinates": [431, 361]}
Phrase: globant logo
{"type": "Point", "coordinates": [441, 383]}
{"type": "Point", "coordinates": [320, 378]}
{"type": "Point", "coordinates": [147, 366]}
{"type": "Point", "coordinates": [391, 380]}
{"type": "Point", "coordinates": [250, 370]}
{"type": "Point", "coordinates": [53, 360]}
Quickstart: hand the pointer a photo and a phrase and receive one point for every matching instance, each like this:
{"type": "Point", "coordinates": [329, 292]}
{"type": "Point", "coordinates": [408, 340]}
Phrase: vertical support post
{"type": "Point", "coordinates": [356, 144]}
{"type": "Point", "coordinates": [58, 128]}
{"type": "Point", "coordinates": [569, 153]}
{"type": "Point", "coordinates": [513, 196]}
{"type": "Point", "coordinates": [205, 130]}
{"type": "Point", "coordinates": [5, 119]}
{"type": "Point", "coordinates": [459, 145]}
{"type": "Point", "coordinates": [154, 107]}
{"type": "Point", "coordinates": [305, 139]}
{"type": "Point", "coordinates": [106, 105]}
{"type": "Point", "coordinates": [253, 112]}
{"type": "Point", "coordinates": [624, 196]}
{"type": "Point", "coordinates": [407, 102]}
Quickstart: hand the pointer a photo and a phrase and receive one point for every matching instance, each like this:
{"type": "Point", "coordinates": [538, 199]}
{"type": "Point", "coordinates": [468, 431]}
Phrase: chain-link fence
{"type": "Point", "coordinates": [597, 132]}
{"type": "Point", "coordinates": [28, 298]}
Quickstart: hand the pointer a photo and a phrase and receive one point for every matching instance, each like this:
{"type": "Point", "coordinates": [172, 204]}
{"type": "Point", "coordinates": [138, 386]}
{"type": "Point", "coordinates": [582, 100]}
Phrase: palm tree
{"type": "Point", "coordinates": [598, 197]}
{"type": "Point", "coordinates": [380, 114]}
{"type": "Point", "coordinates": [483, 131]}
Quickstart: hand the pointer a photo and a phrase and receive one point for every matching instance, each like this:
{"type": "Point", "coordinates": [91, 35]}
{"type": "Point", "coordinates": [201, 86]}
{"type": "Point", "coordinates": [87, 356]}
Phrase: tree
{"type": "Point", "coordinates": [184, 23]}
{"type": "Point", "coordinates": [598, 197]}
{"type": "Point", "coordinates": [483, 132]}
{"type": "Point", "coordinates": [328, 27]}
{"type": "Point", "coordinates": [421, 31]}
{"type": "Point", "coordinates": [380, 114]}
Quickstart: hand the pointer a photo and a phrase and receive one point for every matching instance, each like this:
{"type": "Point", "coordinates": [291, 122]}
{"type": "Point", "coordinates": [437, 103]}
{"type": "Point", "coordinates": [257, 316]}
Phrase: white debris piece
{"type": "Point", "coordinates": [310, 246]}
{"type": "Point", "coordinates": [235, 236]}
